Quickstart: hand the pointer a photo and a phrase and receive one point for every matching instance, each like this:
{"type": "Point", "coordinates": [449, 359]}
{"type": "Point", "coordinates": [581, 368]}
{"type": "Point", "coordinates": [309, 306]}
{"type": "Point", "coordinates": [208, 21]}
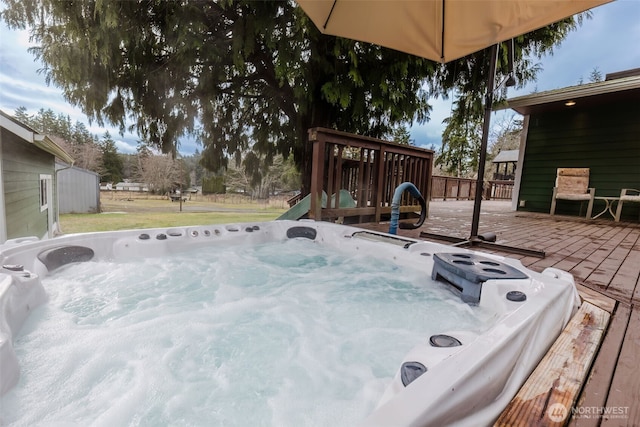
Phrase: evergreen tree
{"type": "Point", "coordinates": [401, 135]}
{"type": "Point", "coordinates": [76, 139]}
{"type": "Point", "coordinates": [111, 160]}
{"type": "Point", "coordinates": [468, 77]}
{"type": "Point", "coordinates": [22, 116]}
{"type": "Point", "coordinates": [595, 75]}
{"type": "Point", "coordinates": [460, 145]}
{"type": "Point", "coordinates": [237, 73]}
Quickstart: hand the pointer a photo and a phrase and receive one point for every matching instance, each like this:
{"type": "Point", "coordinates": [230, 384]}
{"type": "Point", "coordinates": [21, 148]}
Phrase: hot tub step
{"type": "Point", "coordinates": [468, 271]}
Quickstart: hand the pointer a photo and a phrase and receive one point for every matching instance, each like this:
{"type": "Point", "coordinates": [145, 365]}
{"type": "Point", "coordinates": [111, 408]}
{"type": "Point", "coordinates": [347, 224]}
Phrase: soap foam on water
{"type": "Point", "coordinates": [280, 334]}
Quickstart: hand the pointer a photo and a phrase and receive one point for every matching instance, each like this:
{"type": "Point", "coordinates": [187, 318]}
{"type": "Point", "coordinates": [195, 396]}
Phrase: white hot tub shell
{"type": "Point", "coordinates": [456, 378]}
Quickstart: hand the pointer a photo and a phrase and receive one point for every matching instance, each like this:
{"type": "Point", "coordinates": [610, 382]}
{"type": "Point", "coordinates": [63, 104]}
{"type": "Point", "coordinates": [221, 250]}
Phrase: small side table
{"type": "Point", "coordinates": [609, 201]}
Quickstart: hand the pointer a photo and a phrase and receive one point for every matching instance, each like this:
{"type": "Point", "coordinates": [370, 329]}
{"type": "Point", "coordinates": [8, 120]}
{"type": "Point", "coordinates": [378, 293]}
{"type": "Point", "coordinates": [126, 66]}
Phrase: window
{"type": "Point", "coordinates": [44, 192]}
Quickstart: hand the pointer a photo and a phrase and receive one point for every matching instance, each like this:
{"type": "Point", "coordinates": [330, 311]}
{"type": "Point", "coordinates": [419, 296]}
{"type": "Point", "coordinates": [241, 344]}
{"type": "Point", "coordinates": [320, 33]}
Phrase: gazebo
{"type": "Point", "coordinates": [505, 164]}
{"type": "Point", "coordinates": [501, 185]}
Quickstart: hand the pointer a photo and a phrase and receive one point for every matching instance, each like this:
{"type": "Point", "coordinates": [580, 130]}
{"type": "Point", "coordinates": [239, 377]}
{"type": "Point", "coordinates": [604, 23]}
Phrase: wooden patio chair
{"type": "Point", "coordinates": [627, 195]}
{"type": "Point", "coordinates": [573, 184]}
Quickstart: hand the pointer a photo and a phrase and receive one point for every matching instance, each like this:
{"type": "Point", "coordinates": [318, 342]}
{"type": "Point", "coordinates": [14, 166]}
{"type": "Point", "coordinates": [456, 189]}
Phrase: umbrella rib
{"type": "Point", "coordinates": [329, 15]}
{"type": "Point", "coordinates": [442, 35]}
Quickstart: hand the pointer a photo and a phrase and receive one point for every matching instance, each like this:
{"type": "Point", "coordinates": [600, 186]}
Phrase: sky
{"type": "Point", "coordinates": [609, 42]}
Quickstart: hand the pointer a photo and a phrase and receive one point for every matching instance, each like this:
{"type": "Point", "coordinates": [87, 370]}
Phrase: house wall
{"type": "Point", "coordinates": [22, 165]}
{"type": "Point", "coordinates": [604, 138]}
{"type": "Point", "coordinates": [79, 190]}
{"type": "Point", "coordinates": [3, 225]}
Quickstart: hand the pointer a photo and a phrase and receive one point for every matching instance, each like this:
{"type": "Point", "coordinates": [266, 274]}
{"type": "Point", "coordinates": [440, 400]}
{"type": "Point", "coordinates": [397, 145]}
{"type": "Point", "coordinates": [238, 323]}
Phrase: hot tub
{"type": "Point", "coordinates": [498, 320]}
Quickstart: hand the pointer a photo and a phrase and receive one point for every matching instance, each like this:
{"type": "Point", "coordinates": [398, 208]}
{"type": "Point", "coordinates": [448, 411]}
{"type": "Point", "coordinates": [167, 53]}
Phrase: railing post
{"type": "Point", "coordinates": [444, 196]}
{"type": "Point", "coordinates": [379, 161]}
{"type": "Point", "coordinates": [315, 209]}
{"type": "Point", "coordinates": [338, 181]}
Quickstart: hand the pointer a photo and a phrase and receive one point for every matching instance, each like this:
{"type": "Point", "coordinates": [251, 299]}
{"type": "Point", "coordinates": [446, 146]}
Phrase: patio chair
{"type": "Point", "coordinates": [627, 195]}
{"type": "Point", "coordinates": [573, 184]}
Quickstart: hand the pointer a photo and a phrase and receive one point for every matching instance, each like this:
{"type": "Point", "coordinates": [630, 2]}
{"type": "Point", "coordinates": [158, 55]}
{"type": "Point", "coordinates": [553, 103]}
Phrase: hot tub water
{"type": "Point", "coordinates": [284, 333]}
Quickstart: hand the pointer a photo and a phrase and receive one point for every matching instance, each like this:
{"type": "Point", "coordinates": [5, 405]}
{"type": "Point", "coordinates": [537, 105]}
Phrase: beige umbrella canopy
{"type": "Point", "coordinates": [443, 30]}
{"type": "Point", "coordinates": [440, 30]}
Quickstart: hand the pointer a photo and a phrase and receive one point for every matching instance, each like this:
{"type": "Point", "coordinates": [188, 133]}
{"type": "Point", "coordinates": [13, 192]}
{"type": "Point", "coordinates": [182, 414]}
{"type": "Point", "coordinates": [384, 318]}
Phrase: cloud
{"type": "Point", "coordinates": [125, 147]}
{"type": "Point", "coordinates": [430, 133]}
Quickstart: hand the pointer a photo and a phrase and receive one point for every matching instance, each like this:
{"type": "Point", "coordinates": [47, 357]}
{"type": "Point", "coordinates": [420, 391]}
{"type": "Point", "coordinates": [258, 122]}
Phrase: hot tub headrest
{"type": "Point", "coordinates": [301, 231]}
{"type": "Point", "coordinates": [62, 255]}
{"type": "Point", "coordinates": [468, 271]}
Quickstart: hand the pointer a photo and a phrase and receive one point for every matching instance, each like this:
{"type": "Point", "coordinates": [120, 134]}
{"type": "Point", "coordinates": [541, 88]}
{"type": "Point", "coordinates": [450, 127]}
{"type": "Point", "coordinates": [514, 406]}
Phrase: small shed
{"type": "Point", "coordinates": [78, 189]}
{"type": "Point", "coordinates": [28, 200]}
{"type": "Point", "coordinates": [505, 165]}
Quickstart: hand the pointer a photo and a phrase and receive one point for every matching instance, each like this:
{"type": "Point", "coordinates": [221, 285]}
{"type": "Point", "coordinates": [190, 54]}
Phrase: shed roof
{"type": "Point", "coordinates": [507, 156]}
{"type": "Point", "coordinates": [626, 88]}
{"type": "Point", "coordinates": [61, 165]}
{"type": "Point", "coordinates": [43, 142]}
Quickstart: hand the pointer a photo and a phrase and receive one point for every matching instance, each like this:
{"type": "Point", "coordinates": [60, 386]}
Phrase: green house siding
{"type": "Point", "coordinates": [22, 165]}
{"type": "Point", "coordinates": [604, 138]}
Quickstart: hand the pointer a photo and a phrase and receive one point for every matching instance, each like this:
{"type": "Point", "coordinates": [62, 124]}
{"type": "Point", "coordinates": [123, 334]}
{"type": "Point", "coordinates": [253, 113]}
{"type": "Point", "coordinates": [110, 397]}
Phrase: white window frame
{"type": "Point", "coordinates": [45, 191]}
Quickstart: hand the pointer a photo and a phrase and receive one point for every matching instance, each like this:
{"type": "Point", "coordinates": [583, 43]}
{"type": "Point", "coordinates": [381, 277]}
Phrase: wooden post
{"type": "Point", "coordinates": [315, 210]}
{"type": "Point", "coordinates": [380, 161]}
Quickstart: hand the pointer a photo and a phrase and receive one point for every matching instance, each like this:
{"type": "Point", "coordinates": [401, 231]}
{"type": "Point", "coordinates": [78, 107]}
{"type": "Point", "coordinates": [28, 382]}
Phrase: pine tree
{"type": "Point", "coordinates": [111, 160]}
{"type": "Point", "coordinates": [237, 74]}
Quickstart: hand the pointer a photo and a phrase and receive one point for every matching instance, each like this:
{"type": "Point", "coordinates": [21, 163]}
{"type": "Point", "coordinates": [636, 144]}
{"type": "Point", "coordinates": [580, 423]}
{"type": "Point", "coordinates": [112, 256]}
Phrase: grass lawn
{"type": "Point", "coordinates": [81, 223]}
{"type": "Point", "coordinates": [130, 212]}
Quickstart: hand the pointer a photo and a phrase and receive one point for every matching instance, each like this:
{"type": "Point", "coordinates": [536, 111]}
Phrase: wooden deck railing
{"type": "Point", "coordinates": [449, 187]}
{"type": "Point", "coordinates": [369, 169]}
{"type": "Point", "coordinates": [452, 188]}
{"type": "Point", "coordinates": [499, 190]}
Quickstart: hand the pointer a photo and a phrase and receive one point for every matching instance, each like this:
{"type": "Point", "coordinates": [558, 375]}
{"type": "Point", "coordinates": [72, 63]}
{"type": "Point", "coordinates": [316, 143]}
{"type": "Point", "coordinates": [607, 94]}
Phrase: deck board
{"type": "Point", "coordinates": [596, 298]}
{"type": "Point", "coordinates": [550, 391]}
{"type": "Point", "coordinates": [596, 390]}
{"type": "Point", "coordinates": [625, 280]}
{"type": "Point", "coordinates": [587, 266]}
{"type": "Point", "coordinates": [625, 387]}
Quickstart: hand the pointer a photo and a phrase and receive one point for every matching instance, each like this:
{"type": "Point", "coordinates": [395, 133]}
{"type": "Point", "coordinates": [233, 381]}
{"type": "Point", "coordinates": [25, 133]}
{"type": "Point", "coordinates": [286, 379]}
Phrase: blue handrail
{"type": "Point", "coordinates": [395, 207]}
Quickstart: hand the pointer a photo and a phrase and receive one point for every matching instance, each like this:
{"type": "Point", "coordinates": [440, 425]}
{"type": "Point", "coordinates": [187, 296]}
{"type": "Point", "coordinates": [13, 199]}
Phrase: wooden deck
{"type": "Point", "coordinates": [604, 258]}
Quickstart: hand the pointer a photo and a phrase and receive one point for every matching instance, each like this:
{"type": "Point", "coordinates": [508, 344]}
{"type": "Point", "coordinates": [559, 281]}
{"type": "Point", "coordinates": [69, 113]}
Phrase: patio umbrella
{"type": "Point", "coordinates": [442, 30]}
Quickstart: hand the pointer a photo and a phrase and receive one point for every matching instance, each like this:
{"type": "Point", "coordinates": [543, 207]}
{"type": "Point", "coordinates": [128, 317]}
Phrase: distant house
{"type": "Point", "coordinates": [595, 126]}
{"type": "Point", "coordinates": [28, 201]}
{"type": "Point", "coordinates": [131, 186]}
{"type": "Point", "coordinates": [78, 189]}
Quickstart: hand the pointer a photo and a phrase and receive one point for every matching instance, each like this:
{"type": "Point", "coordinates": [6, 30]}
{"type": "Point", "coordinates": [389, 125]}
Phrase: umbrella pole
{"type": "Point", "coordinates": [482, 158]}
{"type": "Point", "coordinates": [487, 240]}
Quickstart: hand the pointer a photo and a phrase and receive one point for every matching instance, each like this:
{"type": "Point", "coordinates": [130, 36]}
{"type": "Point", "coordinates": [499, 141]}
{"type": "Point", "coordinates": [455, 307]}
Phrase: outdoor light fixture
{"type": "Point", "coordinates": [570, 103]}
